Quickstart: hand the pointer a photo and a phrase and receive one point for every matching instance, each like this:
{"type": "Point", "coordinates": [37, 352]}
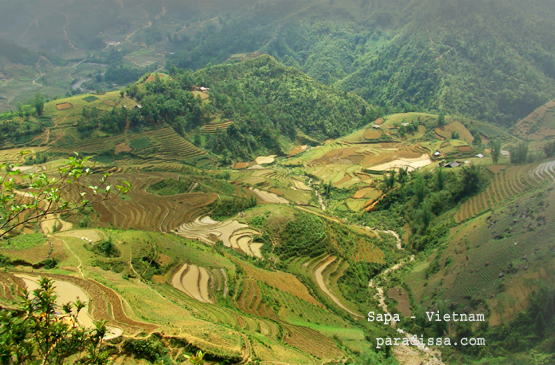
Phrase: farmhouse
{"type": "Point", "coordinates": [437, 153]}
{"type": "Point", "coordinates": [452, 164]}
{"type": "Point", "coordinates": [375, 126]}
{"type": "Point", "coordinates": [138, 106]}
{"type": "Point", "coordinates": [480, 155]}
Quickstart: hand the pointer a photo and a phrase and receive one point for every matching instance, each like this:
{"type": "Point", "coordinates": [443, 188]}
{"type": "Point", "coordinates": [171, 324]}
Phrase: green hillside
{"type": "Point", "coordinates": [491, 60]}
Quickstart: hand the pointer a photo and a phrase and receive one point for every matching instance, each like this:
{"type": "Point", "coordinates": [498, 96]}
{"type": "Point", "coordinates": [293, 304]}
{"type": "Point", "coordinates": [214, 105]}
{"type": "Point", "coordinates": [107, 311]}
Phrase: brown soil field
{"type": "Point", "coordinates": [402, 298]}
{"type": "Point", "coordinates": [465, 149]}
{"type": "Point", "coordinates": [311, 341]}
{"type": "Point", "coordinates": [446, 131]}
{"type": "Point", "coordinates": [122, 147]}
{"type": "Point", "coordinates": [393, 131]}
{"type": "Point", "coordinates": [145, 211]}
{"type": "Point", "coordinates": [523, 127]}
{"type": "Point", "coordinates": [202, 94]}
{"type": "Point", "coordinates": [297, 150]}
{"type": "Point", "coordinates": [32, 255]}
{"type": "Point", "coordinates": [372, 133]}
{"type": "Point", "coordinates": [280, 280]}
{"type": "Point", "coordinates": [64, 106]}
{"type": "Point", "coordinates": [379, 121]}
{"type": "Point", "coordinates": [10, 286]}
{"type": "Point", "coordinates": [241, 165]}
{"type": "Point", "coordinates": [152, 77]}
{"type": "Point", "coordinates": [496, 168]}
{"type": "Point", "coordinates": [345, 179]}
{"type": "Point", "coordinates": [365, 193]}
{"type": "Point", "coordinates": [362, 176]}
{"type": "Point", "coordinates": [276, 191]}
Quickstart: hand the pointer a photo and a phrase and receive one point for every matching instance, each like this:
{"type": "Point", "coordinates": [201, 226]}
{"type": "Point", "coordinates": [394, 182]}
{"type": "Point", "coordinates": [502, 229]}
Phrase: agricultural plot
{"type": "Point", "coordinates": [215, 127]}
{"type": "Point", "coordinates": [10, 287]}
{"type": "Point", "coordinates": [312, 342]}
{"type": "Point", "coordinates": [539, 125]}
{"type": "Point", "coordinates": [545, 171]}
{"type": "Point", "coordinates": [447, 131]}
{"type": "Point", "coordinates": [232, 233]}
{"type": "Point", "coordinates": [369, 253]}
{"type": "Point", "coordinates": [505, 184]}
{"type": "Point", "coordinates": [193, 281]}
{"type": "Point", "coordinates": [268, 197]}
{"type": "Point", "coordinates": [142, 210]}
{"type": "Point", "coordinates": [66, 292]}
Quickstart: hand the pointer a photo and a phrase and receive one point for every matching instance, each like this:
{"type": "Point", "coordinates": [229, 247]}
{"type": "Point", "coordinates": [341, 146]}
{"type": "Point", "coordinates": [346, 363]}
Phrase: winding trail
{"type": "Point", "coordinates": [322, 285]}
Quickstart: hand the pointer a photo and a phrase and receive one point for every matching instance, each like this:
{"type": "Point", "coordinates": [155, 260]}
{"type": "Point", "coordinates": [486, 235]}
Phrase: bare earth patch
{"type": "Point", "coordinates": [122, 147]}
{"type": "Point", "coordinates": [64, 106]}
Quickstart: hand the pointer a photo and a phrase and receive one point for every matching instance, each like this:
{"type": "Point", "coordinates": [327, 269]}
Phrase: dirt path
{"type": "Point", "coordinates": [399, 244]}
{"type": "Point", "coordinates": [77, 257]}
{"type": "Point", "coordinates": [322, 285]}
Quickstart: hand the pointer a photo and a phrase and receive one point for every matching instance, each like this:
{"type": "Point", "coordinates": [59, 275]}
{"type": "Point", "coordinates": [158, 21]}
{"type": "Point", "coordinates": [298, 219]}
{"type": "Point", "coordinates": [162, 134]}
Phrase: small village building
{"type": "Point", "coordinates": [138, 106]}
{"type": "Point", "coordinates": [480, 155]}
{"type": "Point", "coordinates": [452, 164]}
{"type": "Point", "coordinates": [375, 126]}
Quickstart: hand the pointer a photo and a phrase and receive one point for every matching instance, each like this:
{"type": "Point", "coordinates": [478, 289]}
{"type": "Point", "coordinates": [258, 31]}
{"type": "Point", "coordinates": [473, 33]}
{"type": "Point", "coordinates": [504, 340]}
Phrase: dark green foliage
{"type": "Point", "coordinates": [226, 208]}
{"type": "Point", "coordinates": [34, 333]}
{"type": "Point", "coordinates": [549, 149]}
{"type": "Point", "coordinates": [170, 186]}
{"type": "Point", "coordinates": [519, 153]}
{"type": "Point", "coordinates": [426, 195]}
{"type": "Point", "coordinates": [106, 248]}
{"type": "Point", "coordinates": [495, 150]}
{"type": "Point", "coordinates": [151, 349]}
{"type": "Point", "coordinates": [113, 265]}
{"type": "Point", "coordinates": [122, 75]}
{"type": "Point", "coordinates": [37, 159]}
{"type": "Point", "coordinates": [303, 236]}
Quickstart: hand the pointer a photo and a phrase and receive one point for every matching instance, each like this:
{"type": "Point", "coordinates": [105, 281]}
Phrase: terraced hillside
{"type": "Point", "coordinates": [142, 210]}
{"type": "Point", "coordinates": [232, 233]}
{"type": "Point", "coordinates": [506, 183]}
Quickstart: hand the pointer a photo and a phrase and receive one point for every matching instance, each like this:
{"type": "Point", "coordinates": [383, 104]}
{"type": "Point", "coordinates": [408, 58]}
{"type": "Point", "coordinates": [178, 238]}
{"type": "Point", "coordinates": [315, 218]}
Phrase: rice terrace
{"type": "Point", "coordinates": [210, 203]}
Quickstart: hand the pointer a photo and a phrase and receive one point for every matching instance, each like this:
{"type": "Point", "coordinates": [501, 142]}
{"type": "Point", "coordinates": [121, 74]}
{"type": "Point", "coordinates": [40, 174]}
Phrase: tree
{"type": "Point", "coordinates": [549, 149]}
{"type": "Point", "coordinates": [40, 331]}
{"type": "Point", "coordinates": [440, 178]}
{"type": "Point", "coordinates": [441, 120]}
{"type": "Point", "coordinates": [38, 103]}
{"type": "Point", "coordinates": [519, 153]}
{"type": "Point", "coordinates": [495, 150]}
{"type": "Point", "coordinates": [70, 191]}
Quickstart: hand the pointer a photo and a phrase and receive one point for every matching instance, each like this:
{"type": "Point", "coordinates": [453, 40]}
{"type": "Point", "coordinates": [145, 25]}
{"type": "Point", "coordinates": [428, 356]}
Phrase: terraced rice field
{"type": "Point", "coordinates": [105, 304]}
{"type": "Point", "coordinates": [545, 171]}
{"type": "Point", "coordinates": [233, 234]}
{"type": "Point", "coordinates": [193, 281]}
{"type": "Point", "coordinates": [162, 143]}
{"type": "Point", "coordinates": [268, 197]}
{"type": "Point", "coordinates": [373, 134]}
{"type": "Point", "coordinates": [320, 280]}
{"type": "Point", "coordinates": [145, 211]}
{"type": "Point", "coordinates": [506, 184]}
{"type": "Point", "coordinates": [312, 342]}
{"type": "Point", "coordinates": [213, 128]}
{"type": "Point", "coordinates": [10, 287]}
{"type": "Point", "coordinates": [369, 253]}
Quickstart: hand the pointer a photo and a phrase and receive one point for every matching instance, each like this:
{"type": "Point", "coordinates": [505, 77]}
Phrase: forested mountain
{"type": "Point", "coordinates": [492, 60]}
